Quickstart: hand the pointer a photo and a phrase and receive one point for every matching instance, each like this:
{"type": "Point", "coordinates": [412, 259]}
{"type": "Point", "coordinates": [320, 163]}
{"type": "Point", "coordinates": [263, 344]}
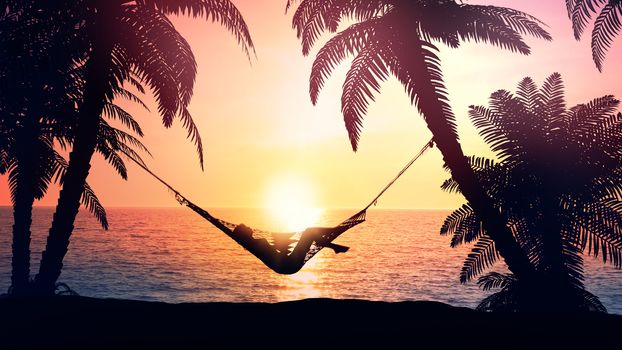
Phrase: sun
{"type": "Point", "coordinates": [291, 200]}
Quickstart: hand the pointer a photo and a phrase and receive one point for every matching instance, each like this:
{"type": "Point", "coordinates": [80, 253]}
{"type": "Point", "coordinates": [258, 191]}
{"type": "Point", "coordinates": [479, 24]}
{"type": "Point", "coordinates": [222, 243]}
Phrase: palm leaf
{"type": "Point", "coordinates": [452, 222]}
{"type": "Point", "coordinates": [495, 280]}
{"type": "Point", "coordinates": [519, 21]}
{"type": "Point", "coordinates": [417, 61]}
{"type": "Point", "coordinates": [482, 256]}
{"type": "Point", "coordinates": [221, 11]}
{"type": "Point", "coordinates": [92, 203]}
{"type": "Point", "coordinates": [581, 13]}
{"type": "Point", "coordinates": [528, 94]}
{"type": "Point", "coordinates": [362, 81]}
{"type": "Point", "coordinates": [608, 24]}
{"type": "Point", "coordinates": [552, 93]}
{"type": "Point", "coordinates": [132, 97]}
{"type": "Point", "coordinates": [89, 198]}
{"type": "Point", "coordinates": [317, 16]}
{"type": "Point", "coordinates": [476, 25]}
{"type": "Point", "coordinates": [113, 111]}
{"type": "Point", "coordinates": [347, 42]}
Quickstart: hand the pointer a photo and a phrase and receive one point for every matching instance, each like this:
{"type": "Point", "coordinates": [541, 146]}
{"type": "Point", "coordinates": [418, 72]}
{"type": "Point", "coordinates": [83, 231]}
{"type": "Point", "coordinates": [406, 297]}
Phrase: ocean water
{"type": "Point", "coordinates": [173, 255]}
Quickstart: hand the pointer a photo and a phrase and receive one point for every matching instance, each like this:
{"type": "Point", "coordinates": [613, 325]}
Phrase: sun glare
{"type": "Point", "coordinates": [290, 200]}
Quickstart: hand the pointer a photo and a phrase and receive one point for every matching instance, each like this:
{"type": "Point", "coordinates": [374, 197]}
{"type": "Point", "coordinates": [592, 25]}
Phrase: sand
{"type": "Point", "coordinates": [110, 323]}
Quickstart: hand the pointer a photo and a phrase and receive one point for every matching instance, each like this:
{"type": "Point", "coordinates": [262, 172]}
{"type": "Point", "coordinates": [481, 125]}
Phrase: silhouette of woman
{"type": "Point", "coordinates": [280, 260]}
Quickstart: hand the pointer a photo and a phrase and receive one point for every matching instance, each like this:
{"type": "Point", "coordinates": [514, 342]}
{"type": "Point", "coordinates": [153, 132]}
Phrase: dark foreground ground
{"type": "Point", "coordinates": [320, 323]}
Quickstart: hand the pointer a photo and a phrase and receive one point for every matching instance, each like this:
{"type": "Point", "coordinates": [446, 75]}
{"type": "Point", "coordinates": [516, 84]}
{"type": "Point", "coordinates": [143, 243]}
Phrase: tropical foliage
{"type": "Point", "coordinates": [67, 62]}
{"type": "Point", "coordinates": [128, 42]}
{"type": "Point", "coordinates": [607, 25]}
{"type": "Point", "coordinates": [39, 88]}
{"type": "Point", "coordinates": [557, 180]}
{"type": "Point", "coordinates": [394, 37]}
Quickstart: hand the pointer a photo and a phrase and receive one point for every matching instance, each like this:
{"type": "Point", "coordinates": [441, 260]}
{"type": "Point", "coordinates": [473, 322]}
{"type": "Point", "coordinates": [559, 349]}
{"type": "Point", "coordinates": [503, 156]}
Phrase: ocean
{"type": "Point", "coordinates": [173, 255]}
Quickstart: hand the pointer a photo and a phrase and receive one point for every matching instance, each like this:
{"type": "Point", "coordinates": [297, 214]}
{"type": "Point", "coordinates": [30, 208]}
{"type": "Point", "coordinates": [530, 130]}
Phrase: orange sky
{"type": "Point", "coordinates": [260, 129]}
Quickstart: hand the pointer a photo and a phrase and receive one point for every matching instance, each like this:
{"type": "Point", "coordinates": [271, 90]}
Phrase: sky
{"type": "Point", "coordinates": [267, 145]}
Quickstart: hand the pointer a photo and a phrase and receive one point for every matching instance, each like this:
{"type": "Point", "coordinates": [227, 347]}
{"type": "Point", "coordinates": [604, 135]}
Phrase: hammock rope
{"type": "Point", "coordinates": [284, 253]}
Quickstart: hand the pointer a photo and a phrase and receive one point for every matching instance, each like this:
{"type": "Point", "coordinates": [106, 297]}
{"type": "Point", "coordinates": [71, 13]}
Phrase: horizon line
{"type": "Point", "coordinates": [237, 207]}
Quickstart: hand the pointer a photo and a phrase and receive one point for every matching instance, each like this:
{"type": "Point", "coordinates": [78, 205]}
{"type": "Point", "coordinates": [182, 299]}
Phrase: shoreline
{"type": "Point", "coordinates": [84, 321]}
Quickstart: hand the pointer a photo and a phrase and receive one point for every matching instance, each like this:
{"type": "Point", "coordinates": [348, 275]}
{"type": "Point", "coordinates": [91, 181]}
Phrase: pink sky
{"type": "Point", "coordinates": [260, 128]}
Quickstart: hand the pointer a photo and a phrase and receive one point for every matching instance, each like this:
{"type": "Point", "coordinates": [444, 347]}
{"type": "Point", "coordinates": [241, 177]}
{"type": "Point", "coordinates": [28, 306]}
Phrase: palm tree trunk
{"type": "Point", "coordinates": [429, 92]}
{"type": "Point", "coordinates": [560, 296]}
{"type": "Point", "coordinates": [96, 91]}
{"type": "Point", "coordinates": [26, 161]}
{"type": "Point", "coordinates": [22, 219]}
{"type": "Point", "coordinates": [493, 222]}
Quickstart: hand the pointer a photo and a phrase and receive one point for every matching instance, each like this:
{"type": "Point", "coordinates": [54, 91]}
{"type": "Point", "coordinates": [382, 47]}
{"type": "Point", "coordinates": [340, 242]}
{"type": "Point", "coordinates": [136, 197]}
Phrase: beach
{"type": "Point", "coordinates": [91, 323]}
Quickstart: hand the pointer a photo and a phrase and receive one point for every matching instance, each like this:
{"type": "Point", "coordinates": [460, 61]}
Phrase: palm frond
{"type": "Point", "coordinates": [573, 262]}
{"type": "Point", "coordinates": [94, 206]}
{"type": "Point", "coordinates": [450, 185]}
{"type": "Point", "coordinates": [504, 300]}
{"type": "Point", "coordinates": [417, 61]}
{"type": "Point", "coordinates": [584, 118]}
{"type": "Point", "coordinates": [519, 21]}
{"type": "Point", "coordinates": [591, 302]}
{"type": "Point", "coordinates": [552, 93]}
{"type": "Point", "coordinates": [113, 111]}
{"type": "Point", "coordinates": [138, 85]}
{"type": "Point", "coordinates": [569, 7]}
{"type": "Point", "coordinates": [528, 94]}
{"type": "Point", "coordinates": [193, 133]}
{"type": "Point", "coordinates": [600, 232]}
{"type": "Point", "coordinates": [347, 42]}
{"type": "Point", "coordinates": [608, 24]}
{"type": "Point", "coordinates": [581, 14]}
{"type": "Point", "coordinates": [221, 11]}
{"type": "Point", "coordinates": [482, 256]}
{"type": "Point", "coordinates": [152, 60]}
{"type": "Point", "coordinates": [117, 138]}
{"type": "Point", "coordinates": [317, 16]}
{"type": "Point", "coordinates": [128, 95]}
{"type": "Point", "coordinates": [313, 17]}
{"type": "Point", "coordinates": [495, 280]}
{"type": "Point", "coordinates": [362, 81]}
{"type": "Point", "coordinates": [290, 3]}
{"type": "Point", "coordinates": [453, 220]}
{"type": "Point", "coordinates": [89, 198]}
{"type": "Point", "coordinates": [464, 226]}
{"type": "Point", "coordinates": [157, 65]}
{"type": "Point", "coordinates": [30, 169]}
{"type": "Point", "coordinates": [5, 160]}
{"type": "Point", "coordinates": [494, 123]}
{"type": "Point", "coordinates": [113, 159]}
{"type": "Point", "coordinates": [478, 26]}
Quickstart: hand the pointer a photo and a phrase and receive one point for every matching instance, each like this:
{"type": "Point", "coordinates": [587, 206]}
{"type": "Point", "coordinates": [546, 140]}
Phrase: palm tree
{"type": "Point", "coordinates": [135, 41]}
{"type": "Point", "coordinates": [557, 181]}
{"type": "Point", "coordinates": [394, 37]}
{"type": "Point", "coordinates": [606, 27]}
{"type": "Point", "coordinates": [26, 100]}
{"type": "Point", "coordinates": [39, 89]}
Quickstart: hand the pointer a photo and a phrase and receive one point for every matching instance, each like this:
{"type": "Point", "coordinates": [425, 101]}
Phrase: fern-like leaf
{"type": "Point", "coordinates": [608, 25]}
{"type": "Point", "coordinates": [495, 280]}
{"type": "Point", "coordinates": [94, 206]}
{"type": "Point", "coordinates": [362, 81]}
{"type": "Point", "coordinates": [482, 256]}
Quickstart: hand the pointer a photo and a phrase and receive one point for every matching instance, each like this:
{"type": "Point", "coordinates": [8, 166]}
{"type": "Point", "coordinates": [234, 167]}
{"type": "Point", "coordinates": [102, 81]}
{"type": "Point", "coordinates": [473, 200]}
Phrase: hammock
{"type": "Point", "coordinates": [275, 249]}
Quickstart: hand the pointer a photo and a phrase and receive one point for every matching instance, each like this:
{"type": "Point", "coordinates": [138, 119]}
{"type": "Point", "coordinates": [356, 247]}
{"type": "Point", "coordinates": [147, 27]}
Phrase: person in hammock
{"type": "Point", "coordinates": [318, 235]}
{"type": "Point", "coordinates": [281, 260]}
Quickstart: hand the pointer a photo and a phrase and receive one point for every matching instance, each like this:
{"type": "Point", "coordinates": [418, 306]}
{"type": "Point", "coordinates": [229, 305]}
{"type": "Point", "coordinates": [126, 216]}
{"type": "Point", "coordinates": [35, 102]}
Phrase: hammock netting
{"type": "Point", "coordinates": [284, 253]}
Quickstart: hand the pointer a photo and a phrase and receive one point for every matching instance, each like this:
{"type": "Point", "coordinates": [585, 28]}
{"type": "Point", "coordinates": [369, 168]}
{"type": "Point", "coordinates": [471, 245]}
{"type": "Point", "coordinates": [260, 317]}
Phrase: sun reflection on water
{"type": "Point", "coordinates": [301, 285]}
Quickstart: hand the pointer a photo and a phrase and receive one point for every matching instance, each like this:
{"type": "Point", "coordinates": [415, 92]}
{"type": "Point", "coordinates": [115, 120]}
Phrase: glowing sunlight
{"type": "Point", "coordinates": [290, 200]}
